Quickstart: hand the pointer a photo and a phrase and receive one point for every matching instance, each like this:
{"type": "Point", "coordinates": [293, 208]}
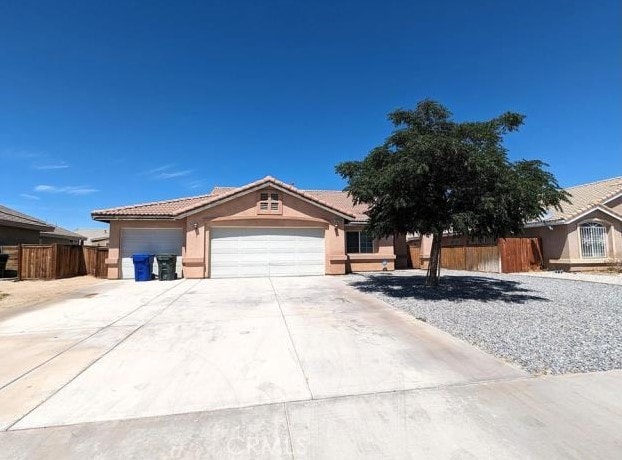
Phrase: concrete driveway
{"type": "Point", "coordinates": [275, 368]}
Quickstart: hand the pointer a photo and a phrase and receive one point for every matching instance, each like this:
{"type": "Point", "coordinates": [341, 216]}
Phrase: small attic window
{"type": "Point", "coordinates": [269, 203]}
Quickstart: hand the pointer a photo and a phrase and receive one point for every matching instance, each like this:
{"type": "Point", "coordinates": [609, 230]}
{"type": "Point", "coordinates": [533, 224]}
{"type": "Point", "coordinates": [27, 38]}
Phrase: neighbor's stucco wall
{"type": "Point", "coordinates": [555, 242]}
{"type": "Point", "coordinates": [10, 236]}
{"type": "Point", "coordinates": [114, 249]}
{"type": "Point", "coordinates": [561, 244]}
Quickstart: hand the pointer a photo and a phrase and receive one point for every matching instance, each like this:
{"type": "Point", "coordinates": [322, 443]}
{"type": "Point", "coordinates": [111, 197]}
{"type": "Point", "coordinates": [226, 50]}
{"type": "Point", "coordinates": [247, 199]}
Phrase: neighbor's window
{"type": "Point", "coordinates": [269, 203]}
{"type": "Point", "coordinates": [359, 242]}
{"type": "Point", "coordinates": [593, 237]}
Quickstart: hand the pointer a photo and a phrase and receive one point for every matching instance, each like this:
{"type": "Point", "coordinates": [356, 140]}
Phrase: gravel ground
{"type": "Point", "coordinates": [544, 325]}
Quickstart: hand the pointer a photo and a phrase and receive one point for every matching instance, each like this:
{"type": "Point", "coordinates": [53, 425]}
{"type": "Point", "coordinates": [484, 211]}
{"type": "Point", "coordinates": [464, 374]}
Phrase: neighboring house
{"type": "Point", "coordinates": [265, 228]}
{"type": "Point", "coordinates": [586, 234]}
{"type": "Point", "coordinates": [20, 228]}
{"type": "Point", "coordinates": [95, 236]}
{"type": "Point", "coordinates": [61, 235]}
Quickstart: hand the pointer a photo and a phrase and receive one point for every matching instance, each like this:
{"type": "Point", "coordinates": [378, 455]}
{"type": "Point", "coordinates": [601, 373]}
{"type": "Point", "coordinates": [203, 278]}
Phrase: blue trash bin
{"type": "Point", "coordinates": [143, 267]}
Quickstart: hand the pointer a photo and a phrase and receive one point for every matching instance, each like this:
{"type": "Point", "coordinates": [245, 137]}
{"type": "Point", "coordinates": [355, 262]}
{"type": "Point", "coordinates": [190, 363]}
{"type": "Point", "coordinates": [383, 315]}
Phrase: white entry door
{"type": "Point", "coordinates": [149, 241]}
{"type": "Point", "coordinates": [251, 252]}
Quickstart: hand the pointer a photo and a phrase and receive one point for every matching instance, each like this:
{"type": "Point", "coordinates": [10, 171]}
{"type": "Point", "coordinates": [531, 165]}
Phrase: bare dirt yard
{"type": "Point", "coordinates": [20, 294]}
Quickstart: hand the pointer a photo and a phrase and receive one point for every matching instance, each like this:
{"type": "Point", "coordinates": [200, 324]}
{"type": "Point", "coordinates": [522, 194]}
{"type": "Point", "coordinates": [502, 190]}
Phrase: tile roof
{"type": "Point", "coordinates": [334, 200]}
{"type": "Point", "coordinates": [13, 218]}
{"type": "Point", "coordinates": [93, 234]}
{"type": "Point", "coordinates": [584, 197]}
{"type": "Point", "coordinates": [155, 209]}
{"type": "Point", "coordinates": [341, 200]}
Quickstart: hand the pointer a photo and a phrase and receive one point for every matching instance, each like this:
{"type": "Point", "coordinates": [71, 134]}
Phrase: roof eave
{"type": "Point", "coordinates": [41, 228]}
{"type": "Point", "coordinates": [108, 219]}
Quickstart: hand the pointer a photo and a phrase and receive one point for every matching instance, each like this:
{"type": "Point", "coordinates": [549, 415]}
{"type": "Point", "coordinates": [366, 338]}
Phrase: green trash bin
{"type": "Point", "coordinates": [166, 267]}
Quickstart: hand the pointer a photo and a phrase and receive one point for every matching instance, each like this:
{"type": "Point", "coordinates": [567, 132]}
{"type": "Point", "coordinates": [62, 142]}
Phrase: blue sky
{"type": "Point", "coordinates": [111, 103]}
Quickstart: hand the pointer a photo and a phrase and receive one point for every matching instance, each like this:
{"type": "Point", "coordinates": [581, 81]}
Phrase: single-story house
{"type": "Point", "coordinates": [265, 228]}
{"type": "Point", "coordinates": [19, 228]}
{"type": "Point", "coordinates": [587, 233]}
{"type": "Point", "coordinates": [61, 235]}
{"type": "Point", "coordinates": [95, 236]}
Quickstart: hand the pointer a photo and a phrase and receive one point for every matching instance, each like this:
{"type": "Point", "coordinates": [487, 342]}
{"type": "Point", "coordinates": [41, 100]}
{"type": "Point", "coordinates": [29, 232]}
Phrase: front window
{"type": "Point", "coordinates": [269, 203]}
{"type": "Point", "coordinates": [359, 242]}
{"type": "Point", "coordinates": [593, 238]}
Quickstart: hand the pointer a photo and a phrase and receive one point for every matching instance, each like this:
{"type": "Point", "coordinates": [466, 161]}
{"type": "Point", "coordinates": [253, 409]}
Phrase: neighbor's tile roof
{"type": "Point", "coordinates": [13, 218]}
{"type": "Point", "coordinates": [584, 197]}
{"type": "Point", "coordinates": [93, 234]}
{"type": "Point", "coordinates": [335, 200]}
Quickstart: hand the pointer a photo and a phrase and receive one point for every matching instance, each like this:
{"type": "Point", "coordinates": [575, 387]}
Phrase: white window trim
{"type": "Point", "coordinates": [605, 235]}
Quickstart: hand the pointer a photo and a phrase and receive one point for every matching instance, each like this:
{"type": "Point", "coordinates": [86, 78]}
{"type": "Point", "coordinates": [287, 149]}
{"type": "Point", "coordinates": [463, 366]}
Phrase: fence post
{"type": "Point", "coordinates": [19, 262]}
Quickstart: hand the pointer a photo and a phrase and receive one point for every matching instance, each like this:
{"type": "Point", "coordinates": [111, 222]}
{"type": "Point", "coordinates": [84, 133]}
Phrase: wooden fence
{"type": "Point", "coordinates": [520, 254]}
{"type": "Point", "coordinates": [54, 261]}
{"type": "Point", "coordinates": [509, 255]}
{"type": "Point", "coordinates": [473, 258]}
{"type": "Point", "coordinates": [95, 261]}
{"type": "Point", "coordinates": [12, 264]}
{"type": "Point", "coordinates": [414, 254]}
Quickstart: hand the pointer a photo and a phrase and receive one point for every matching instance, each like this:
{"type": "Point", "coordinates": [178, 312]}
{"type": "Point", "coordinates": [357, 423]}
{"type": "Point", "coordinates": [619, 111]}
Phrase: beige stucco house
{"type": "Point", "coordinates": [587, 233]}
{"type": "Point", "coordinates": [265, 228]}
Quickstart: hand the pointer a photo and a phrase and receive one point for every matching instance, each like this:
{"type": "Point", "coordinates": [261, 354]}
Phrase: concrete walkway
{"type": "Point", "coordinates": [274, 367]}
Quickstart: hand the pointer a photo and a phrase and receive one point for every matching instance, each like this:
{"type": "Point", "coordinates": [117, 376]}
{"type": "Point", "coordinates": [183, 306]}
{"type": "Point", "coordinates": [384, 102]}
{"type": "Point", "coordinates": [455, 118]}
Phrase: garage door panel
{"type": "Point", "coordinates": [245, 252]}
{"type": "Point", "coordinates": [150, 241]}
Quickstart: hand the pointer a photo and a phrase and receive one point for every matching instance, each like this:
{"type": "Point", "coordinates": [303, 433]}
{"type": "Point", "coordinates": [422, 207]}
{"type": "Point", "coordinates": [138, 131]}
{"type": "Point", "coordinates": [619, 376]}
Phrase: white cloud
{"type": "Point", "coordinates": [154, 171]}
{"type": "Point", "coordinates": [70, 189]}
{"type": "Point", "coordinates": [30, 197]}
{"type": "Point", "coordinates": [167, 172]}
{"type": "Point", "coordinates": [48, 166]}
{"type": "Point", "coordinates": [173, 174]}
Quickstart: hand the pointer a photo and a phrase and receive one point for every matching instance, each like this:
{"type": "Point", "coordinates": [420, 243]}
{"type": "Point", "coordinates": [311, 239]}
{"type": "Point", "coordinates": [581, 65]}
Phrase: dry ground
{"type": "Point", "coordinates": [19, 294]}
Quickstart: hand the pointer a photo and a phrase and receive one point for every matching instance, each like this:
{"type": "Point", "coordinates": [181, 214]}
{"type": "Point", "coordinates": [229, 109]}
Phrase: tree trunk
{"type": "Point", "coordinates": [434, 267]}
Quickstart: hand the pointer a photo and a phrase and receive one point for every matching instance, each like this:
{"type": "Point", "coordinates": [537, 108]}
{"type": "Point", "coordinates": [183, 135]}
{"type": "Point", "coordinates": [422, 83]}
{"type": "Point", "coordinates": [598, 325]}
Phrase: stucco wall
{"type": "Point", "coordinates": [554, 241]}
{"type": "Point", "coordinates": [616, 205]}
{"type": "Point", "coordinates": [13, 235]}
{"type": "Point", "coordinates": [114, 249]}
{"type": "Point", "coordinates": [242, 212]}
{"type": "Point", "coordinates": [562, 247]}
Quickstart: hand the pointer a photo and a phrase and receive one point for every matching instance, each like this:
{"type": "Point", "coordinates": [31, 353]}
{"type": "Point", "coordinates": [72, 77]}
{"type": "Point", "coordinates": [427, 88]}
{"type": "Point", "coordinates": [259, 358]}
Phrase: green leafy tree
{"type": "Point", "coordinates": [434, 175]}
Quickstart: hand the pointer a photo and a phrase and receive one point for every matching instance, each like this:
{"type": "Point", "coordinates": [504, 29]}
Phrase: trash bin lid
{"type": "Point", "coordinates": [140, 257]}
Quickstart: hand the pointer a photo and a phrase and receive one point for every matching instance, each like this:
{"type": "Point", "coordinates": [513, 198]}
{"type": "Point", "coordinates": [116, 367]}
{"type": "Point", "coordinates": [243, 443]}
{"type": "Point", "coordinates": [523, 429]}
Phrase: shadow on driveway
{"type": "Point", "coordinates": [450, 288]}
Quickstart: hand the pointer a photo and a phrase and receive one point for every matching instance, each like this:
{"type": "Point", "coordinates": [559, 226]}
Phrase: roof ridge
{"type": "Point", "coordinates": [291, 188]}
{"type": "Point", "coordinates": [595, 182]}
{"type": "Point", "coordinates": [149, 203]}
{"type": "Point", "coordinates": [324, 190]}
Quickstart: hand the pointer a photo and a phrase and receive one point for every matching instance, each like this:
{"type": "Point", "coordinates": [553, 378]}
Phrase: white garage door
{"type": "Point", "coordinates": [246, 252]}
{"type": "Point", "coordinates": [149, 241]}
